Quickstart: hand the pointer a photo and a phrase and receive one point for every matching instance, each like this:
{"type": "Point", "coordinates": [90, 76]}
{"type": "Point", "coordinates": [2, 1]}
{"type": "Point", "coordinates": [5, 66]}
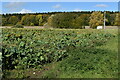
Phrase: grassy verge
{"type": "Point", "coordinates": [101, 62]}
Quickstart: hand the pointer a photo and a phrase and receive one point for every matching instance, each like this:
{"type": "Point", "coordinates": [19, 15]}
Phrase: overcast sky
{"type": "Point", "coordinates": [33, 7]}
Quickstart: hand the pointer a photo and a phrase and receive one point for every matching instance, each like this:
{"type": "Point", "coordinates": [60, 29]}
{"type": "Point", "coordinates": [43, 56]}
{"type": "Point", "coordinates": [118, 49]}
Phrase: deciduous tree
{"type": "Point", "coordinates": [96, 19]}
{"type": "Point", "coordinates": [81, 21]}
{"type": "Point", "coordinates": [13, 20]}
{"type": "Point", "coordinates": [117, 19]}
{"type": "Point", "coordinates": [39, 19]}
{"type": "Point", "coordinates": [62, 20]}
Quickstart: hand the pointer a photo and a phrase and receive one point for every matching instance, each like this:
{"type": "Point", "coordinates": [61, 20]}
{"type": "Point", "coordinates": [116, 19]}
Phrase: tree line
{"type": "Point", "coordinates": [62, 19]}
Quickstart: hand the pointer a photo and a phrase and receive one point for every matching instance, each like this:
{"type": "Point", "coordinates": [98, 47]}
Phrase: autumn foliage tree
{"type": "Point", "coordinates": [96, 19]}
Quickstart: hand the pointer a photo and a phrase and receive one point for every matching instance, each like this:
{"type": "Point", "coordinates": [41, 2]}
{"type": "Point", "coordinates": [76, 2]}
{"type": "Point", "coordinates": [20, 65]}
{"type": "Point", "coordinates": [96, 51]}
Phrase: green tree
{"type": "Point", "coordinates": [39, 19]}
{"type": "Point", "coordinates": [32, 20]}
{"type": "Point", "coordinates": [117, 19]}
{"type": "Point", "coordinates": [96, 19]}
{"type": "Point", "coordinates": [31, 24]}
{"type": "Point", "coordinates": [13, 20]}
{"type": "Point", "coordinates": [28, 20]}
{"type": "Point", "coordinates": [62, 20]}
{"type": "Point", "coordinates": [0, 20]}
{"type": "Point", "coordinates": [112, 19]}
{"type": "Point", "coordinates": [81, 21]}
{"type": "Point", "coordinates": [4, 21]}
{"type": "Point", "coordinates": [108, 18]}
{"type": "Point", "coordinates": [25, 20]}
{"type": "Point", "coordinates": [49, 22]}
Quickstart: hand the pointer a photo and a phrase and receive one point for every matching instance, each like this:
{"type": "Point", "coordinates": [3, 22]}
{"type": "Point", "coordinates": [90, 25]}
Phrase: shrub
{"type": "Point", "coordinates": [18, 26]}
{"type": "Point", "coordinates": [31, 24]}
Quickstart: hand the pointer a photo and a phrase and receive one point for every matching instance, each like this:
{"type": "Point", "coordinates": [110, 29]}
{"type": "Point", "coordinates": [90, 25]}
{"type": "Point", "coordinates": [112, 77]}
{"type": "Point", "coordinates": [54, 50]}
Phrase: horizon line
{"type": "Point", "coordinates": [57, 12]}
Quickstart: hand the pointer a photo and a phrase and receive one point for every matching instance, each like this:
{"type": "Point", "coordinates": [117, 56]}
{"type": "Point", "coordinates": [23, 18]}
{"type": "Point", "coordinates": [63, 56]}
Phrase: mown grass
{"type": "Point", "coordinates": [97, 62]}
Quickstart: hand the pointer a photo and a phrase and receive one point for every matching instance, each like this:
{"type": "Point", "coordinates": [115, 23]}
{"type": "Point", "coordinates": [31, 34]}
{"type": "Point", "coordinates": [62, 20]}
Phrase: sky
{"type": "Point", "coordinates": [60, 0]}
{"type": "Point", "coordinates": [33, 7]}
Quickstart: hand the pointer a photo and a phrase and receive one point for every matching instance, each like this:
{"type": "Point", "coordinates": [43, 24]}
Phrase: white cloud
{"type": "Point", "coordinates": [101, 5]}
{"type": "Point", "coordinates": [57, 6]}
{"type": "Point", "coordinates": [77, 9]}
{"type": "Point", "coordinates": [13, 6]}
{"type": "Point", "coordinates": [23, 11]}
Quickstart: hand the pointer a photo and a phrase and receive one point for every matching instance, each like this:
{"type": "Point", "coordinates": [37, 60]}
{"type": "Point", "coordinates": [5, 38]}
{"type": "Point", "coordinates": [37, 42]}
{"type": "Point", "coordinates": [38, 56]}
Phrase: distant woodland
{"type": "Point", "coordinates": [62, 19]}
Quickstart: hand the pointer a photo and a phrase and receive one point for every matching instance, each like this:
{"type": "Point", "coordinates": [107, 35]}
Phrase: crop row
{"type": "Point", "coordinates": [32, 48]}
